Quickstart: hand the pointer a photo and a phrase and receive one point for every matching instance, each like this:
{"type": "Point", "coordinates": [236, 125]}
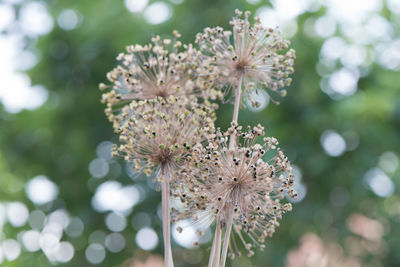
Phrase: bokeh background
{"type": "Point", "coordinates": [65, 201]}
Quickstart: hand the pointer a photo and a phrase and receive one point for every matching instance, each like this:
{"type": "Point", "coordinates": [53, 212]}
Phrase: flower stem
{"type": "Point", "coordinates": [218, 244]}
{"type": "Point", "coordinates": [236, 106]}
{"type": "Point", "coordinates": [238, 92]}
{"type": "Point", "coordinates": [212, 252]}
{"type": "Point", "coordinates": [232, 143]}
{"type": "Point", "coordinates": [165, 175]}
{"type": "Point", "coordinates": [227, 237]}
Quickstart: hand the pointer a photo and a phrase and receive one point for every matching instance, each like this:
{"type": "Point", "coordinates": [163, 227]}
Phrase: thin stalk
{"type": "Point", "coordinates": [218, 243]}
{"type": "Point", "coordinates": [232, 142]}
{"type": "Point", "coordinates": [238, 92]}
{"type": "Point", "coordinates": [227, 237]}
{"type": "Point", "coordinates": [212, 252]}
{"type": "Point", "coordinates": [236, 107]}
{"type": "Point", "coordinates": [215, 258]}
{"type": "Point", "coordinates": [166, 217]}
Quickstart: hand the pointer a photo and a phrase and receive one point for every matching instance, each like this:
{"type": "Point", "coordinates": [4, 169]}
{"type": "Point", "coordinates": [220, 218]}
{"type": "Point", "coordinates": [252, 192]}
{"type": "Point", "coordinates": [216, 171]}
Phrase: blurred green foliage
{"type": "Point", "coordinates": [59, 139]}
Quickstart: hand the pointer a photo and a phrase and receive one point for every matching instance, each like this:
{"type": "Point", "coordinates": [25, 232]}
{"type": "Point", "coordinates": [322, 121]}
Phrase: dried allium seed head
{"type": "Point", "coordinates": [249, 181]}
{"type": "Point", "coordinates": [162, 68]}
{"type": "Point", "coordinates": [161, 131]}
{"type": "Point", "coordinates": [252, 55]}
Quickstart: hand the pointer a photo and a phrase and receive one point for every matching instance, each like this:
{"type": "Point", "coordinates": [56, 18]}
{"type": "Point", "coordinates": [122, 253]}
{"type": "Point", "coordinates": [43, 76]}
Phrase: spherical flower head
{"type": "Point", "coordinates": [253, 56]}
{"type": "Point", "coordinates": [162, 68]}
{"type": "Point", "coordinates": [161, 131]}
{"type": "Point", "coordinates": [248, 180]}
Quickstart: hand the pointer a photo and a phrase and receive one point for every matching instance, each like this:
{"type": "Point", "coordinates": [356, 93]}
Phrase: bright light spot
{"type": "Point", "coordinates": [95, 253]}
{"type": "Point", "coordinates": [28, 60]}
{"type": "Point", "coordinates": [147, 239]}
{"type": "Point", "coordinates": [313, 5]}
{"type": "Point", "coordinates": [301, 191]}
{"type": "Point", "coordinates": [343, 82]}
{"type": "Point", "coordinates": [11, 249]}
{"type": "Point", "coordinates": [389, 162]}
{"type": "Point", "coordinates": [53, 228]}
{"type": "Point", "coordinates": [189, 234]}
{"type": "Point", "coordinates": [352, 12]}
{"type": "Point", "coordinates": [296, 171]}
{"type": "Point", "coordinates": [16, 92]}
{"type": "Point", "coordinates": [378, 29]}
{"type": "Point", "coordinates": [37, 219]}
{"type": "Point", "coordinates": [283, 15]}
{"type": "Point", "coordinates": [98, 168]}
{"type": "Point", "coordinates": [30, 239]}
{"type": "Point", "coordinates": [253, 2]}
{"type": "Point", "coordinates": [394, 6]}
{"type": "Point", "coordinates": [299, 187]}
{"type": "Point", "coordinates": [1, 255]}
{"type": "Point", "coordinates": [157, 13]}
{"type": "Point", "coordinates": [379, 182]}
{"type": "Point", "coordinates": [389, 54]}
{"type": "Point", "coordinates": [40, 190]}
{"type": "Point", "coordinates": [176, 203]}
{"type": "Point", "coordinates": [13, 1]}
{"type": "Point", "coordinates": [325, 26]}
{"type": "Point", "coordinates": [289, 28]}
{"type": "Point", "coordinates": [325, 85]}
{"type": "Point", "coordinates": [115, 222]}
{"type": "Point", "coordinates": [270, 18]}
{"type": "Point", "coordinates": [59, 217]}
{"type": "Point", "coordinates": [355, 33]}
{"type": "Point", "coordinates": [289, 9]}
{"type": "Point", "coordinates": [68, 19]}
{"type": "Point", "coordinates": [136, 5]}
{"type": "Point", "coordinates": [2, 216]}
{"type": "Point", "coordinates": [75, 227]}
{"type": "Point", "coordinates": [333, 48]}
{"type": "Point", "coordinates": [104, 149]}
{"type": "Point", "coordinates": [115, 242]}
{"type": "Point", "coordinates": [17, 213]}
{"type": "Point", "coordinates": [260, 97]}
{"type": "Point", "coordinates": [64, 252]}
{"type": "Point", "coordinates": [333, 143]}
{"type": "Point", "coordinates": [354, 56]}
{"type": "Point", "coordinates": [35, 19]}
{"type": "Point", "coordinates": [19, 94]}
{"type": "Point", "coordinates": [7, 15]}
{"type": "Point", "coordinates": [48, 241]}
{"type": "Point", "coordinates": [112, 196]}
